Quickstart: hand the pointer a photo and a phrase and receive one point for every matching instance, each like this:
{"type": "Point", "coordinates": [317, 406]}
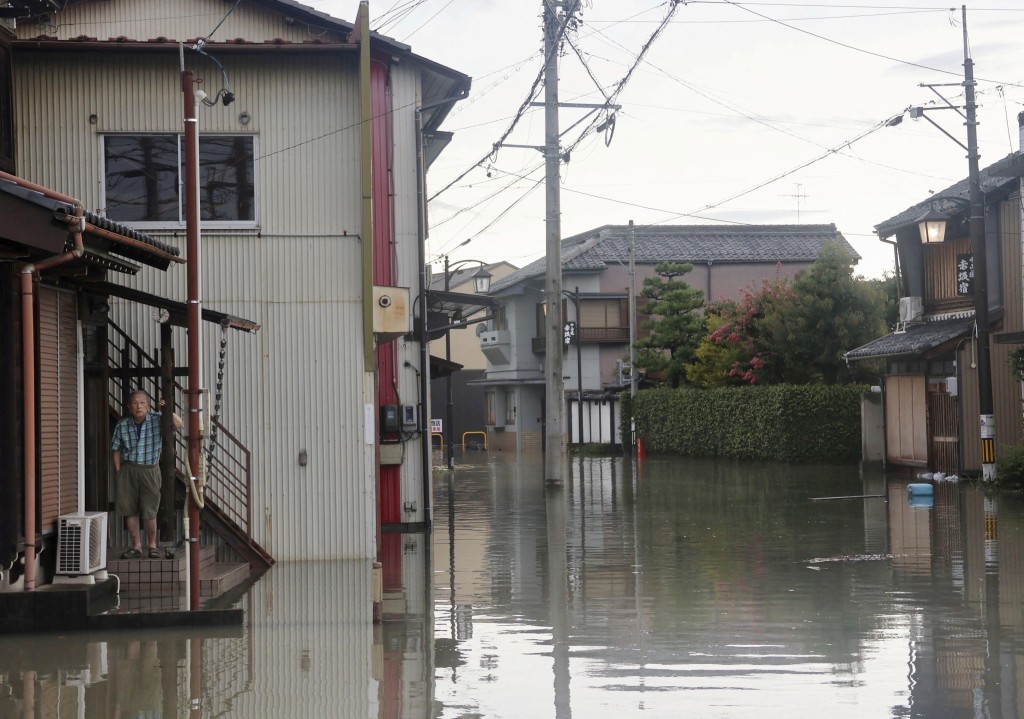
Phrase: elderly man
{"type": "Point", "coordinates": [136, 447]}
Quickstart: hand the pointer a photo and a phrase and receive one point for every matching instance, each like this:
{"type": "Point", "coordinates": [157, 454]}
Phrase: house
{"type": "Point", "coordinates": [595, 264]}
{"type": "Point", "coordinates": [460, 346]}
{"type": "Point", "coordinates": [930, 387]}
{"type": "Point", "coordinates": [314, 136]}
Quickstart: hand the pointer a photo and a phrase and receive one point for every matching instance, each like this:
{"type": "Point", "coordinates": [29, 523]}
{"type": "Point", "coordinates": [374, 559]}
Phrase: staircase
{"type": "Point", "coordinates": [228, 509]}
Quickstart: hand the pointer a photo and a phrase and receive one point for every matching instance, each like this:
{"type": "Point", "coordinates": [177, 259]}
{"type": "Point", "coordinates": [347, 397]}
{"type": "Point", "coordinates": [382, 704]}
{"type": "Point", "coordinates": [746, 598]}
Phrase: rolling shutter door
{"type": "Point", "coordinates": [58, 405]}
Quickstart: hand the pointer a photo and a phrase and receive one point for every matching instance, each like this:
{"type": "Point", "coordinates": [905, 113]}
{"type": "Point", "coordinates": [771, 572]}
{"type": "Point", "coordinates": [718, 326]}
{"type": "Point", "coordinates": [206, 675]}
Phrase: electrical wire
{"type": "Point", "coordinates": [531, 95]}
{"type": "Point", "coordinates": [832, 151]}
{"type": "Point", "coordinates": [427, 21]}
{"type": "Point", "coordinates": [742, 6]}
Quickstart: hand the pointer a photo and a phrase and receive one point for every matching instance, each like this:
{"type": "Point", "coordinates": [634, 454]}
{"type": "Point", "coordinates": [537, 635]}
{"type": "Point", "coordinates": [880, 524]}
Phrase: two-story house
{"type": "Point", "coordinates": [314, 138]}
{"type": "Point", "coordinates": [595, 264]}
{"type": "Point", "coordinates": [930, 388]}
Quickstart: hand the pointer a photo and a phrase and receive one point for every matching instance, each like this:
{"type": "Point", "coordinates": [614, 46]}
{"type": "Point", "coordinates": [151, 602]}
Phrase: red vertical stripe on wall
{"type": "Point", "coordinates": [384, 269]}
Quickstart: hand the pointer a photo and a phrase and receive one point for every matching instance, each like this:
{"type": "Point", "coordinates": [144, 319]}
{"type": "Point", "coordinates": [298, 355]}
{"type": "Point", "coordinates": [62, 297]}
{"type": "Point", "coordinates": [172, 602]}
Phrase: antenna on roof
{"type": "Point", "coordinates": [798, 195]}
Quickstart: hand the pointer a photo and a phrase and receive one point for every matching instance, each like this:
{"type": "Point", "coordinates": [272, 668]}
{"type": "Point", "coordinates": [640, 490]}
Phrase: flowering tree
{"type": "Point", "coordinates": [734, 352]}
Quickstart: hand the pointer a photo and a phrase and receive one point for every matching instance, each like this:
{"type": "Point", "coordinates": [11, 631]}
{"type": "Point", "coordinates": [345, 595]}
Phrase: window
{"type": "Point", "coordinates": [490, 410]}
{"type": "Point", "coordinates": [510, 407]}
{"type": "Point", "coordinates": [142, 179]}
{"type": "Point", "coordinates": [604, 313]}
{"type": "Point", "coordinates": [6, 112]}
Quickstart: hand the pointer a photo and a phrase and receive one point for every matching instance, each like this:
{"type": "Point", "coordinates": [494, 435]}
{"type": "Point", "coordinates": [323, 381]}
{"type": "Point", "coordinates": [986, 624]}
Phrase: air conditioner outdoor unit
{"type": "Point", "coordinates": [911, 309]}
{"type": "Point", "coordinates": [81, 543]}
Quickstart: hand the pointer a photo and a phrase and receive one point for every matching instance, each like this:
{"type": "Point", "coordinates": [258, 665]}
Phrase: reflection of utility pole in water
{"type": "Point", "coordinates": [638, 576]}
{"type": "Point", "coordinates": [558, 598]}
{"type": "Point", "coordinates": [993, 655]}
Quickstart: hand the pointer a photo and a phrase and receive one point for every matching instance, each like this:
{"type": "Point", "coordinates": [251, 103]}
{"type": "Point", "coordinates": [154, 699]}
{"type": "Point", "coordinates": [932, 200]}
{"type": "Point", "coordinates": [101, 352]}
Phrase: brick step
{"type": "Point", "coordinates": [222, 577]}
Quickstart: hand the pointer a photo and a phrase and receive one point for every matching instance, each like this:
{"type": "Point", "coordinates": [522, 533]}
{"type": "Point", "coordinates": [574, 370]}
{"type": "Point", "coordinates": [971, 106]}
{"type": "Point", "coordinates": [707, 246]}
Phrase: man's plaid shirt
{"type": "Point", "coordinates": [140, 444]}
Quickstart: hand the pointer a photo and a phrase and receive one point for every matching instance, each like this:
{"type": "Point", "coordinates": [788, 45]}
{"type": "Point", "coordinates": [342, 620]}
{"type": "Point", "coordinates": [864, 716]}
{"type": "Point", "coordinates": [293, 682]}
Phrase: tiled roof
{"type": "Point", "coordinates": [917, 340]}
{"type": "Point", "coordinates": [960, 191]}
{"type": "Point", "coordinates": [699, 244]}
{"type": "Point", "coordinates": [136, 250]}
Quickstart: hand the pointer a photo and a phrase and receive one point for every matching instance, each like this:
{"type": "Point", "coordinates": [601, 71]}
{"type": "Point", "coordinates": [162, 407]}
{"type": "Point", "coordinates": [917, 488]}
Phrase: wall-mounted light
{"type": "Point", "coordinates": [932, 226]}
{"type": "Point", "coordinates": [303, 458]}
{"type": "Point", "coordinates": [93, 119]}
{"type": "Point", "coordinates": [244, 119]}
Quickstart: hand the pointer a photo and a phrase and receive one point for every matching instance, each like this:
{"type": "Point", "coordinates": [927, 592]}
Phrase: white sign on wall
{"type": "Point", "coordinates": [435, 426]}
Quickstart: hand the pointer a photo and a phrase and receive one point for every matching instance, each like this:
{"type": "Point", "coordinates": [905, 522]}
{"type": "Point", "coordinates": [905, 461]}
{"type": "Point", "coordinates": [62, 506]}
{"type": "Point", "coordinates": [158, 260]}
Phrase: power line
{"type": "Point", "coordinates": [519, 113]}
{"type": "Point", "coordinates": [742, 6]}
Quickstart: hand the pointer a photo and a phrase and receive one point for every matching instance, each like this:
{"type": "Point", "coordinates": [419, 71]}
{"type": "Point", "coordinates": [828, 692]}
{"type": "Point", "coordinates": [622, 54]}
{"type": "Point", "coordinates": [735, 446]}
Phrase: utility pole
{"type": "Point", "coordinates": [554, 394]}
{"type": "Point", "coordinates": [977, 229]}
{"type": "Point", "coordinates": [632, 334]}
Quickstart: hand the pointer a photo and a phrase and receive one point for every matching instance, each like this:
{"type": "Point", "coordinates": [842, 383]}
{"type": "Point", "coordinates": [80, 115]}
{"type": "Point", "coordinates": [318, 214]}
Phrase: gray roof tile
{"type": "Point", "coordinates": [958, 191]}
{"type": "Point", "coordinates": [917, 340]}
{"type": "Point", "coordinates": [594, 250]}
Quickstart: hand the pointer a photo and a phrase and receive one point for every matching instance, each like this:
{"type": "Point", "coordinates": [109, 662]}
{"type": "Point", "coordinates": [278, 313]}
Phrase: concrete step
{"type": "Point", "coordinates": [221, 577]}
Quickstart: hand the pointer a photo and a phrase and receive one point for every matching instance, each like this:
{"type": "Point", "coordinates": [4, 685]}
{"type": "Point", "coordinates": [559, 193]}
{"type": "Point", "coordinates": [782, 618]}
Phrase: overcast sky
{"type": "Point", "coordinates": [729, 97]}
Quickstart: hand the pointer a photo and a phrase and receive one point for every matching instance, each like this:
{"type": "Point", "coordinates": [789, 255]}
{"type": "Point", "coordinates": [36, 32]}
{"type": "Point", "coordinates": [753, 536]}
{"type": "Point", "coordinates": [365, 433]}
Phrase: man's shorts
{"type": "Point", "coordinates": [138, 490]}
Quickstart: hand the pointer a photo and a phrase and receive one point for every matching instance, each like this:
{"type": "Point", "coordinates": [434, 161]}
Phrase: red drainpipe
{"type": "Point", "coordinates": [76, 224]}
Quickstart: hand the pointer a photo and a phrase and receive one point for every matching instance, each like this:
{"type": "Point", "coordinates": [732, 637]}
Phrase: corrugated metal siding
{"type": "Point", "coordinates": [180, 20]}
{"type": "Point", "coordinates": [298, 383]}
{"type": "Point", "coordinates": [405, 94]}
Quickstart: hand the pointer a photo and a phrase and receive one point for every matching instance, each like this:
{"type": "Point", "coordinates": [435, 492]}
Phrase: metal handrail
{"type": "Point", "coordinates": [229, 470]}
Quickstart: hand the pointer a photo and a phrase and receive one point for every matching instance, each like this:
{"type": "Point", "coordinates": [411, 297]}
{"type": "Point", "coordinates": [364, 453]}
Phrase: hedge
{"type": "Point", "coordinates": [778, 423]}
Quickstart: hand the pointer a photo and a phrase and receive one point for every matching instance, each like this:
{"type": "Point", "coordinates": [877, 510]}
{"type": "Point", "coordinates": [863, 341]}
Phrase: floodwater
{"type": "Point", "coordinates": [671, 588]}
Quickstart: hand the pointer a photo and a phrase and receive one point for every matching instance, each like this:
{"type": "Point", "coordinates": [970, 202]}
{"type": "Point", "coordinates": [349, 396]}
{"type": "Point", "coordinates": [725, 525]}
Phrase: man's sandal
{"type": "Point", "coordinates": [132, 554]}
{"type": "Point", "coordinates": [154, 553]}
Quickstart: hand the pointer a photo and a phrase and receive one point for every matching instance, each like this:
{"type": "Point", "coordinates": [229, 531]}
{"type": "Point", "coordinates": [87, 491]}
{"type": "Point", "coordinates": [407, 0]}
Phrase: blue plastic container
{"type": "Point", "coordinates": [919, 489]}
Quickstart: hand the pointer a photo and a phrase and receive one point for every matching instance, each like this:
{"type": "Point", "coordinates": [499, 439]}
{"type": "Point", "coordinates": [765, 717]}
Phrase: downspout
{"type": "Point", "coordinates": [76, 224]}
{"type": "Point", "coordinates": [421, 239]}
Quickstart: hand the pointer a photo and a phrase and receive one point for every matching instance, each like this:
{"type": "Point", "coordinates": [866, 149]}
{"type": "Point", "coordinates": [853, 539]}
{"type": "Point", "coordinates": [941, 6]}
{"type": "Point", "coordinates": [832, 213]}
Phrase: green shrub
{"type": "Point", "coordinates": [1010, 465]}
{"type": "Point", "coordinates": [780, 423]}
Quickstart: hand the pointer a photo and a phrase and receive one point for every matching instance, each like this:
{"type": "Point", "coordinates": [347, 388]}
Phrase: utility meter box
{"type": "Point", "coordinates": [391, 315]}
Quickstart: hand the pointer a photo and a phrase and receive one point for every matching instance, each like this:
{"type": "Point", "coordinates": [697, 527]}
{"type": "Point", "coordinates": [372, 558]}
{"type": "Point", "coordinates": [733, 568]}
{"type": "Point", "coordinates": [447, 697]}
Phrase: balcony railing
{"type": "Point", "coordinates": [590, 336]}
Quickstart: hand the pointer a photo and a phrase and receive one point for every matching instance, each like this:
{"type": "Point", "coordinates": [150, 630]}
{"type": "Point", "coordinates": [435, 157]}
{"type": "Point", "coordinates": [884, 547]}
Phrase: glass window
{"type": "Point", "coordinates": [6, 112]}
{"type": "Point", "coordinates": [490, 410]}
{"type": "Point", "coordinates": [143, 178]}
{"type": "Point", "coordinates": [510, 407]}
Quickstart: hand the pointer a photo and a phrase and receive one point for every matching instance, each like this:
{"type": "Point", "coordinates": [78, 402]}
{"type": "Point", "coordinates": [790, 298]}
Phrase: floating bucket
{"type": "Point", "coordinates": [920, 489]}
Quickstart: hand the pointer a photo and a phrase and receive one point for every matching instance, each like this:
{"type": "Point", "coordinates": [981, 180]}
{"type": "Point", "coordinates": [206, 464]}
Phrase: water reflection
{"type": "Point", "coordinates": [679, 587]}
{"type": "Point", "coordinates": [723, 589]}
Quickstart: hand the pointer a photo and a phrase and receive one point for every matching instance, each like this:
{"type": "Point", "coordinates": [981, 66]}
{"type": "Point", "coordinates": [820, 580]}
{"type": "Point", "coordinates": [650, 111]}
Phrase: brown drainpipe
{"type": "Point", "coordinates": [76, 224]}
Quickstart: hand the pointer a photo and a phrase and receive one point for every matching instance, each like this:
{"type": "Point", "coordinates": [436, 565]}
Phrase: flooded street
{"type": "Point", "coordinates": [681, 588]}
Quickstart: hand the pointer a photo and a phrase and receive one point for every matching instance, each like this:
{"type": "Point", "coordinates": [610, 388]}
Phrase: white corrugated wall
{"type": "Point", "coordinates": [405, 90]}
{"type": "Point", "coordinates": [297, 384]}
{"type": "Point", "coordinates": [180, 20]}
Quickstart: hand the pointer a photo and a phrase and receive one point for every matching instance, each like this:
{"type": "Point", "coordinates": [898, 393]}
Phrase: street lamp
{"type": "Point", "coordinates": [482, 284]}
{"type": "Point", "coordinates": [987, 423]}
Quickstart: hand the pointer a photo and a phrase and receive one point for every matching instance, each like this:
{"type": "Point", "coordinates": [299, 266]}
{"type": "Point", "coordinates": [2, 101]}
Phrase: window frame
{"type": "Point", "coordinates": [179, 224]}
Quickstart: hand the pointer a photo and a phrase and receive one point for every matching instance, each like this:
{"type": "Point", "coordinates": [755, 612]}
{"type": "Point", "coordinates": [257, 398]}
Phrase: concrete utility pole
{"type": "Point", "coordinates": [554, 395]}
{"type": "Point", "coordinates": [987, 419]}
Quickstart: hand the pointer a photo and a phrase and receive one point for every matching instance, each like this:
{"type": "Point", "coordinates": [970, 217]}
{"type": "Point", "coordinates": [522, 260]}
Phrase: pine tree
{"type": "Point", "coordinates": [676, 323]}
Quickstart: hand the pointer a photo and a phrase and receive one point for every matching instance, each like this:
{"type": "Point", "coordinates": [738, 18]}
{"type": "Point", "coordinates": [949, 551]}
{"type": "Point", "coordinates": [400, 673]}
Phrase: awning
{"type": "Point", "coordinates": [178, 310]}
{"type": "Point", "coordinates": [918, 339]}
{"type": "Point", "coordinates": [440, 367]}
